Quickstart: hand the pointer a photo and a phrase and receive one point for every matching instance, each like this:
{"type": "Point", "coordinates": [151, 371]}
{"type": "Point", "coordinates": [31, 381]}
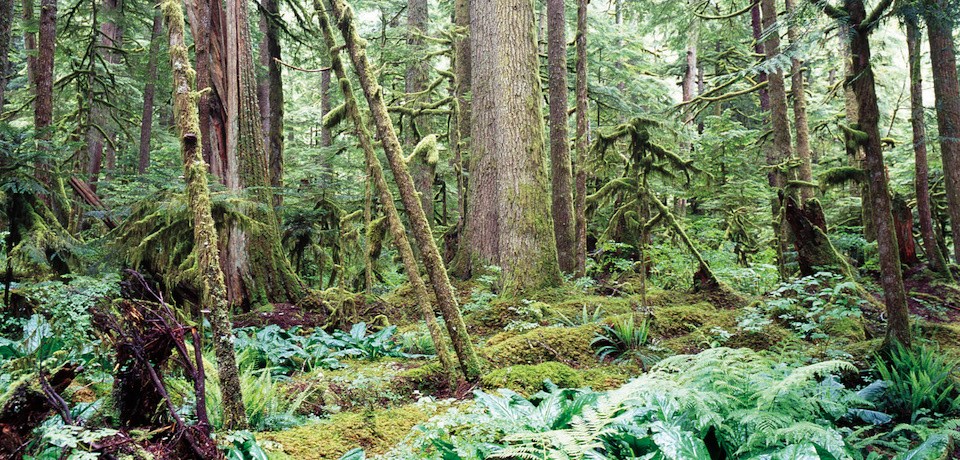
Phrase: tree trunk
{"type": "Point", "coordinates": [255, 258]}
{"type": "Point", "coordinates": [424, 172]}
{"type": "Point", "coordinates": [271, 95]}
{"type": "Point", "coordinates": [469, 361]}
{"type": "Point", "coordinates": [43, 104]}
{"type": "Point", "coordinates": [814, 250]}
{"type": "Point", "coordinates": [6, 31]}
{"type": "Point", "coordinates": [800, 123]}
{"type": "Point", "coordinates": [561, 168]}
{"type": "Point", "coordinates": [891, 279]}
{"type": "Point", "coordinates": [780, 149]}
{"type": "Point", "coordinates": [757, 27]}
{"type": "Point", "coordinates": [583, 139]}
{"type": "Point", "coordinates": [206, 26]}
{"type": "Point", "coordinates": [146, 124]}
{"type": "Point", "coordinates": [97, 135]}
{"type": "Point", "coordinates": [460, 139]}
{"type": "Point", "coordinates": [507, 132]}
{"type": "Point", "coordinates": [903, 223]}
{"type": "Point", "coordinates": [210, 277]}
{"type": "Point", "coordinates": [397, 230]}
{"type": "Point", "coordinates": [326, 139]}
{"type": "Point", "coordinates": [922, 181]}
{"type": "Point", "coordinates": [946, 87]}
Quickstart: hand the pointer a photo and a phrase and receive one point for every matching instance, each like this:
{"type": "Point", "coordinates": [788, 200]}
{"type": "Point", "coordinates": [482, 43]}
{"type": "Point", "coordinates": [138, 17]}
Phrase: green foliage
{"type": "Point", "coordinates": [734, 403]}
{"type": "Point", "coordinates": [242, 445]}
{"type": "Point", "coordinates": [622, 340]}
{"type": "Point", "coordinates": [584, 317]}
{"type": "Point", "coordinates": [530, 379]}
{"type": "Point", "coordinates": [919, 381]}
{"type": "Point", "coordinates": [68, 441]}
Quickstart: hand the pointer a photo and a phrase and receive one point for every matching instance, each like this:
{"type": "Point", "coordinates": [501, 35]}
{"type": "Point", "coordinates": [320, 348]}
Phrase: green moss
{"type": "Point", "coordinates": [570, 345]}
{"type": "Point", "coordinates": [849, 329]}
{"type": "Point", "coordinates": [863, 352]}
{"type": "Point", "coordinates": [529, 379]}
{"type": "Point", "coordinates": [946, 335]}
{"type": "Point", "coordinates": [771, 336]}
{"type": "Point", "coordinates": [675, 321]}
{"type": "Point", "coordinates": [376, 432]}
{"type": "Point", "coordinates": [607, 377]}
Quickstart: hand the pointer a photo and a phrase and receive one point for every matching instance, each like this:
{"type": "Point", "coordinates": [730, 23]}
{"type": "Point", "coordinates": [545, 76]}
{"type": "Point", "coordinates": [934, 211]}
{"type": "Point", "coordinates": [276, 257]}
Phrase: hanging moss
{"type": "Point", "coordinates": [841, 175]}
{"type": "Point", "coordinates": [427, 151]}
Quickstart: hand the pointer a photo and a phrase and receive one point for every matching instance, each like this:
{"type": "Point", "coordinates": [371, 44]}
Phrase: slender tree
{"type": "Point", "coordinates": [867, 133]}
{"type": "Point", "coordinates": [561, 169]}
{"type": "Point", "coordinates": [209, 274]}
{"type": "Point", "coordinates": [397, 230]}
{"type": "Point", "coordinates": [469, 361]}
{"type": "Point", "coordinates": [6, 31]}
{"type": "Point", "coordinates": [583, 139]}
{"type": "Point", "coordinates": [149, 90]}
{"type": "Point", "coordinates": [946, 87]}
{"type": "Point", "coordinates": [271, 93]}
{"type": "Point", "coordinates": [917, 120]}
{"type": "Point", "coordinates": [800, 123]}
{"type": "Point", "coordinates": [100, 133]}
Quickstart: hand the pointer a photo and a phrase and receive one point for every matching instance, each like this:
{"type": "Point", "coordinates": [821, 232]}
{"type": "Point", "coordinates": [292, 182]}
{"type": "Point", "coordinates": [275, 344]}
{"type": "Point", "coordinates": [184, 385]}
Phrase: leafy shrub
{"type": "Point", "coordinates": [585, 317]}
{"type": "Point", "coordinates": [270, 404]}
{"type": "Point", "coordinates": [359, 344]}
{"type": "Point", "coordinates": [918, 380]}
{"type": "Point", "coordinates": [622, 340]}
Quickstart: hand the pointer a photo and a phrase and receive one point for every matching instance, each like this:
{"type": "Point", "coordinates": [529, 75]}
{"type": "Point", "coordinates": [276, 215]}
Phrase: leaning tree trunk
{"type": "Point", "coordinates": [469, 361]}
{"type": "Point", "coordinates": [271, 95]}
{"type": "Point", "coordinates": [149, 90]}
{"type": "Point", "coordinates": [922, 181]}
{"type": "Point", "coordinates": [780, 150]}
{"type": "Point", "coordinates": [561, 169]}
{"type": "Point", "coordinates": [256, 266]}
{"type": "Point", "coordinates": [508, 129]}
{"type": "Point", "coordinates": [397, 231]}
{"type": "Point", "coordinates": [891, 278]}
{"type": "Point", "coordinates": [209, 276]}
{"type": "Point", "coordinates": [583, 139]}
{"type": "Point", "coordinates": [946, 87]}
{"type": "Point", "coordinates": [800, 123]}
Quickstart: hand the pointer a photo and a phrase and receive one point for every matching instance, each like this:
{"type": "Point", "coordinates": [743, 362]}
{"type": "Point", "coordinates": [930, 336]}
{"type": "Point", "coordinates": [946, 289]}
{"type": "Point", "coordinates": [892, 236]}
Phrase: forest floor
{"type": "Point", "coordinates": [376, 404]}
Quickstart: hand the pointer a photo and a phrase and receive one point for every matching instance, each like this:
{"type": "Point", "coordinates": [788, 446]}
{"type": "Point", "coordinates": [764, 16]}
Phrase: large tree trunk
{"type": "Point", "coordinates": [397, 230]}
{"type": "Point", "coordinates": [206, 26]}
{"type": "Point", "coordinates": [946, 87]}
{"type": "Point", "coordinates": [779, 150]}
{"type": "Point", "coordinates": [507, 133]}
{"type": "Point", "coordinates": [210, 276]}
{"type": "Point", "coordinates": [800, 123]}
{"type": "Point", "coordinates": [255, 258]}
{"type": "Point", "coordinates": [583, 139]}
{"type": "Point", "coordinates": [469, 361]}
{"type": "Point", "coordinates": [891, 278]}
{"type": "Point", "coordinates": [6, 30]}
{"type": "Point", "coordinates": [43, 104]}
{"type": "Point", "coordinates": [149, 90]}
{"type": "Point", "coordinates": [460, 135]}
{"type": "Point", "coordinates": [922, 181]}
{"type": "Point", "coordinates": [561, 168]}
{"type": "Point", "coordinates": [271, 95]}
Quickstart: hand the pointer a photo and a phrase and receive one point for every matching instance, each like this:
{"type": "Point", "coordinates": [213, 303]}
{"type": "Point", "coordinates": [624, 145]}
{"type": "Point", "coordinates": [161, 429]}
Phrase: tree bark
{"type": "Point", "coordinates": [271, 95]}
{"type": "Point", "coordinates": [946, 88]}
{"type": "Point", "coordinates": [800, 124]}
{"type": "Point", "coordinates": [210, 276]}
{"type": "Point", "coordinates": [149, 90]}
{"type": "Point", "coordinates": [109, 39]}
{"type": "Point", "coordinates": [780, 149]}
{"type": "Point", "coordinates": [756, 27]}
{"type": "Point", "coordinates": [397, 230]}
{"type": "Point", "coordinates": [922, 180]}
{"type": "Point", "coordinates": [326, 139]}
{"type": "Point", "coordinates": [891, 278]}
{"type": "Point", "coordinates": [6, 31]}
{"type": "Point", "coordinates": [255, 258]}
{"type": "Point", "coordinates": [560, 164]}
{"type": "Point", "coordinates": [460, 137]}
{"type": "Point", "coordinates": [508, 132]}
{"type": "Point", "coordinates": [424, 172]}
{"type": "Point", "coordinates": [583, 140]}
{"type": "Point", "coordinates": [43, 104]}
{"type": "Point", "coordinates": [469, 361]}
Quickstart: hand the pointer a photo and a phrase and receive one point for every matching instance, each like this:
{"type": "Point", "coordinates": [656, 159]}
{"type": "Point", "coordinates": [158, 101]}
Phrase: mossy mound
{"type": "Point", "coordinates": [947, 335]}
{"type": "Point", "coordinates": [376, 432]}
{"type": "Point", "coordinates": [609, 306]}
{"type": "Point", "coordinates": [608, 377]}
{"type": "Point", "coordinates": [570, 345]}
{"type": "Point", "coordinates": [764, 339]}
{"type": "Point", "coordinates": [674, 321]}
{"type": "Point", "coordinates": [849, 329]}
{"type": "Point", "coordinates": [529, 379]}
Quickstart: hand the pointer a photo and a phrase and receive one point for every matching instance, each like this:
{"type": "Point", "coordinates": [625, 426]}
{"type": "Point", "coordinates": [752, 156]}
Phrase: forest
{"type": "Point", "coordinates": [479, 229]}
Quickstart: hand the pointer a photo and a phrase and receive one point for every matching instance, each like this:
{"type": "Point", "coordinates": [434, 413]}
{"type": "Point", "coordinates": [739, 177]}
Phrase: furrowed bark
{"type": "Point", "coordinates": [922, 180]}
{"type": "Point", "coordinates": [469, 361]}
{"type": "Point", "coordinates": [800, 123]}
{"type": "Point", "coordinates": [209, 274]}
{"type": "Point", "coordinates": [561, 173]}
{"type": "Point", "coordinates": [583, 140]}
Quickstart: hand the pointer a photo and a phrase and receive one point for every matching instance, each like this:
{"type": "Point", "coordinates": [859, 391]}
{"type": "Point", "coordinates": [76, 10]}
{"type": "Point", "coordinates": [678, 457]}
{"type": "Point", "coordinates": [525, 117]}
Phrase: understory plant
{"type": "Point", "coordinates": [721, 403]}
{"type": "Point", "coordinates": [918, 381]}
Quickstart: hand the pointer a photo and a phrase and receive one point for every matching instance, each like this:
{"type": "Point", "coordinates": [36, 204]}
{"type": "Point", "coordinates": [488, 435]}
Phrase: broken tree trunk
{"type": "Point", "coordinates": [815, 253]}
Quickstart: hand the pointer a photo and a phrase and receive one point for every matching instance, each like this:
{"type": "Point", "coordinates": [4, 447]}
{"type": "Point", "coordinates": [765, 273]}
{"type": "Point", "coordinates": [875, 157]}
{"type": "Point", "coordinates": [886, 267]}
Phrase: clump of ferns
{"type": "Point", "coordinates": [158, 233]}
